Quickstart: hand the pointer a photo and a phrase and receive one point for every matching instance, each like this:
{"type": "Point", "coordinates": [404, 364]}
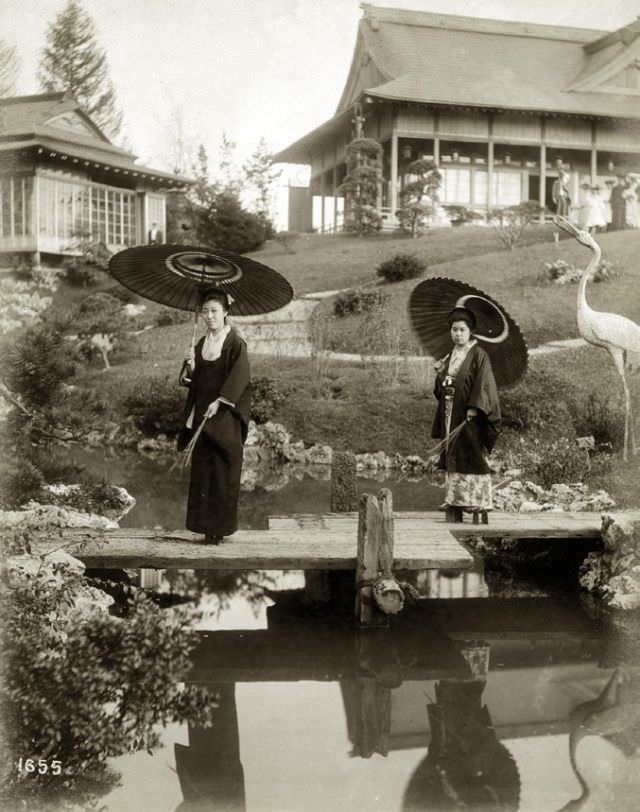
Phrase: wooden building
{"type": "Point", "coordinates": [62, 181]}
{"type": "Point", "coordinates": [499, 106]}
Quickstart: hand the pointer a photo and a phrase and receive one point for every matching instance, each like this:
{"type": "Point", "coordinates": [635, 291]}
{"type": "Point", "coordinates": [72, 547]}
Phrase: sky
{"type": "Point", "coordinates": [250, 68]}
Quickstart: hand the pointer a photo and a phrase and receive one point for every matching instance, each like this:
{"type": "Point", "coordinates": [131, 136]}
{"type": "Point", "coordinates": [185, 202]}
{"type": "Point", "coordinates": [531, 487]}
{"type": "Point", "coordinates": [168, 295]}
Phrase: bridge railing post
{"type": "Point", "coordinates": [374, 556]}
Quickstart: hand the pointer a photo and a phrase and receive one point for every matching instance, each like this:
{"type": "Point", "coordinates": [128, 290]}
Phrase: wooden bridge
{"type": "Point", "coordinates": [422, 540]}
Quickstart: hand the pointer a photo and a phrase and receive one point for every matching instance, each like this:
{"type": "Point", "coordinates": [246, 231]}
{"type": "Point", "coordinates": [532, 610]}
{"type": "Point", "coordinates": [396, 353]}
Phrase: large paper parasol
{"type": "Point", "coordinates": [429, 306]}
{"type": "Point", "coordinates": [176, 275]}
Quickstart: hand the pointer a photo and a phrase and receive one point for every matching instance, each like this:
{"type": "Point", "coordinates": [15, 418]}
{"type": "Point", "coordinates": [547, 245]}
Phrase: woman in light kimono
{"type": "Point", "coordinates": [467, 397]}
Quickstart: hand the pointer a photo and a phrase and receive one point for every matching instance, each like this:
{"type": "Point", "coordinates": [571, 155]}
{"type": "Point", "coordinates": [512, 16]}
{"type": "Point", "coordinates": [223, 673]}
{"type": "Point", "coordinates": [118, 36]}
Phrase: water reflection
{"type": "Point", "coordinates": [161, 492]}
{"type": "Point", "coordinates": [209, 767]}
{"type": "Point", "coordinates": [475, 703]}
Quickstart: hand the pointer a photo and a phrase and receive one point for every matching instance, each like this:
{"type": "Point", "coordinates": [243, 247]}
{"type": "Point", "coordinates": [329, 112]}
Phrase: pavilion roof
{"type": "Point", "coordinates": [453, 61]}
{"type": "Point", "coordinates": [55, 124]}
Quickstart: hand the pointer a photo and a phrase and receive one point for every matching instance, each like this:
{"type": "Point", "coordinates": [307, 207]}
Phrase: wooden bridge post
{"type": "Point", "coordinates": [375, 554]}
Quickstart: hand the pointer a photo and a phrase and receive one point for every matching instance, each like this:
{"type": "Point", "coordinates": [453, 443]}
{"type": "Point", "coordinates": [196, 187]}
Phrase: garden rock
{"type": "Point", "coordinates": [85, 598]}
{"type": "Point", "coordinates": [614, 573]}
{"type": "Point", "coordinates": [529, 497]}
{"type": "Point", "coordinates": [38, 517]}
{"type": "Point", "coordinates": [118, 501]}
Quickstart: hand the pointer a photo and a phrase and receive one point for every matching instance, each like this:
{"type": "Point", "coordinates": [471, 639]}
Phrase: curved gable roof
{"type": "Point", "coordinates": [446, 59]}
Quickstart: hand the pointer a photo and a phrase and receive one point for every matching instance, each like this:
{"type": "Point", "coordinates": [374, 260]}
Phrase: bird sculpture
{"type": "Point", "coordinates": [617, 334]}
{"type": "Point", "coordinates": [614, 715]}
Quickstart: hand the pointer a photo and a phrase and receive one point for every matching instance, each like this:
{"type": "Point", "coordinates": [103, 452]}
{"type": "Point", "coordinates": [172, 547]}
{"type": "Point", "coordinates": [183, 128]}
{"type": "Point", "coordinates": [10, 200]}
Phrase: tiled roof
{"type": "Point", "coordinates": [442, 59]}
{"type": "Point", "coordinates": [29, 121]}
{"type": "Point", "coordinates": [20, 114]}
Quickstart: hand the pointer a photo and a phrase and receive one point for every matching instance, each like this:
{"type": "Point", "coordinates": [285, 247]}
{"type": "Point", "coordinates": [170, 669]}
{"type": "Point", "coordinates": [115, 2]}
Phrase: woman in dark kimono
{"type": "Point", "coordinates": [218, 391]}
{"type": "Point", "coordinates": [467, 394]}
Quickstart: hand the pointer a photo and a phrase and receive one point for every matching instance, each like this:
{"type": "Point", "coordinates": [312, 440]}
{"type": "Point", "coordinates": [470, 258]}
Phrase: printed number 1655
{"type": "Point", "coordinates": [41, 766]}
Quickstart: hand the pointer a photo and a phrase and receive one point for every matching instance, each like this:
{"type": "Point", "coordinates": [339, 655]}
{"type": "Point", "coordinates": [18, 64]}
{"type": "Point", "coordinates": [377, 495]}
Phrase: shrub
{"type": "Point", "coordinates": [226, 224]}
{"type": "Point", "coordinates": [601, 415]}
{"type": "Point", "coordinates": [361, 185]}
{"type": "Point", "coordinates": [352, 302]}
{"type": "Point", "coordinates": [38, 364]}
{"type": "Point", "coordinates": [561, 272]}
{"type": "Point", "coordinates": [170, 315]}
{"type": "Point", "coordinates": [20, 481]}
{"type": "Point", "coordinates": [561, 460]}
{"type": "Point", "coordinates": [82, 687]}
{"type": "Point", "coordinates": [265, 399]}
{"type": "Point", "coordinates": [156, 406]}
{"type": "Point", "coordinates": [100, 321]}
{"type": "Point", "coordinates": [460, 215]}
{"type": "Point", "coordinates": [418, 198]}
{"type": "Point", "coordinates": [79, 275]}
{"type": "Point", "coordinates": [511, 222]}
{"type": "Point", "coordinates": [401, 266]}
{"type": "Point", "coordinates": [540, 403]}
{"type": "Point", "coordinates": [287, 240]}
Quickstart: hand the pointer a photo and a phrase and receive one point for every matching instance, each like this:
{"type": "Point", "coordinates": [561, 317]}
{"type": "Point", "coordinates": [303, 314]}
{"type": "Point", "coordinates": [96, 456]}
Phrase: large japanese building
{"type": "Point", "coordinates": [62, 181]}
{"type": "Point", "coordinates": [499, 106]}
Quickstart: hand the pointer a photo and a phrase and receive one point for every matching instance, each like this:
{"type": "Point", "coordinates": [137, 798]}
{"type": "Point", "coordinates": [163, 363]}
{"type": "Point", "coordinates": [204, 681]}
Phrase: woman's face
{"type": "Point", "coordinates": [213, 313]}
{"type": "Point", "coordinates": [460, 333]}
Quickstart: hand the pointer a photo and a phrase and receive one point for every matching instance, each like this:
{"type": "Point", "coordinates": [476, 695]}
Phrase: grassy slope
{"type": "Point", "coordinates": [332, 262]}
{"type": "Point", "coordinates": [544, 311]}
{"type": "Point", "coordinates": [370, 408]}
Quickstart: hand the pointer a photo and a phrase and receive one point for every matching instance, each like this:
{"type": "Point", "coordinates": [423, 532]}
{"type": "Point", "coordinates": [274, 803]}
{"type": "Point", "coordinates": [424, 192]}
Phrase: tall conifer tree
{"type": "Point", "coordinates": [72, 60]}
{"type": "Point", "coordinates": [8, 69]}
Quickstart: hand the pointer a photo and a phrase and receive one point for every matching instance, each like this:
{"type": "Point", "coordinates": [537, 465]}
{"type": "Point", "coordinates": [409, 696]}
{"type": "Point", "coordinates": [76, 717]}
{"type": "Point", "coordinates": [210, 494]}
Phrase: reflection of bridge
{"type": "Point", "coordinates": [541, 658]}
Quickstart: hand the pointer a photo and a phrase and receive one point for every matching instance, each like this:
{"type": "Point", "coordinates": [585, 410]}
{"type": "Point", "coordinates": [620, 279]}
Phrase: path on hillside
{"type": "Point", "coordinates": [287, 333]}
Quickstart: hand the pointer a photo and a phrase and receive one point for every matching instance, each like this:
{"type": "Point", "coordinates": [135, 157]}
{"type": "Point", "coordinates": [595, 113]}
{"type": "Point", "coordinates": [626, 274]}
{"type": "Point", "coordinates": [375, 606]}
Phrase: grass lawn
{"type": "Point", "coordinates": [544, 311]}
{"type": "Point", "coordinates": [332, 262]}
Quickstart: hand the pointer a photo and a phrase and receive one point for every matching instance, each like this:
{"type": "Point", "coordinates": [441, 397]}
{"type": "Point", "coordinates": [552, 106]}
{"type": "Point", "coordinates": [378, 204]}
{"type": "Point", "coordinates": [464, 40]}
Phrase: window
{"type": "Point", "coordinates": [456, 186]}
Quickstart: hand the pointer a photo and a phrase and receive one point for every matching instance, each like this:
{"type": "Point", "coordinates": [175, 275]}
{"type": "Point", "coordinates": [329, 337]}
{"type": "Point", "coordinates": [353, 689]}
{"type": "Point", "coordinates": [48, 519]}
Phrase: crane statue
{"type": "Point", "coordinates": [617, 334]}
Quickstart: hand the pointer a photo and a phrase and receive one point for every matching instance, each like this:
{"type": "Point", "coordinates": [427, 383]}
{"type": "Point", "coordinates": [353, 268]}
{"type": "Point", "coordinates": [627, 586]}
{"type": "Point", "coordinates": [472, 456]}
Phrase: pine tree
{"type": "Point", "coordinates": [72, 60]}
{"type": "Point", "coordinates": [260, 175]}
{"type": "Point", "coordinates": [8, 69]}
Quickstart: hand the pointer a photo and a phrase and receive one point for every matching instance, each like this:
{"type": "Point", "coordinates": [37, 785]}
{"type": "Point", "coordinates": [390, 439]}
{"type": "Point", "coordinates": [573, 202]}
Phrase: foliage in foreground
{"type": "Point", "coordinates": [81, 688]}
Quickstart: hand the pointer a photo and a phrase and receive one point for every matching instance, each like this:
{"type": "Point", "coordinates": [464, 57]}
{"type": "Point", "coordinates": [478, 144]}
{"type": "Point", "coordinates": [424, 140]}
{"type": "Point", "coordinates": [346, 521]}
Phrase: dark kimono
{"type": "Point", "coordinates": [468, 479]}
{"type": "Point", "coordinates": [216, 464]}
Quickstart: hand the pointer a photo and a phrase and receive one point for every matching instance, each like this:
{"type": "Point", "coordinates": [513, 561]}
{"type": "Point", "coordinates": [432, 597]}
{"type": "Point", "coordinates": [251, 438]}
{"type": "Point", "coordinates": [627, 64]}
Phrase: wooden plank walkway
{"type": "Point", "coordinates": [315, 542]}
{"type": "Point", "coordinates": [547, 524]}
{"type": "Point", "coordinates": [309, 549]}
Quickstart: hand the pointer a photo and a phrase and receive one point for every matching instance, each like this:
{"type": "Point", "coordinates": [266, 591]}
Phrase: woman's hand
{"type": "Point", "coordinates": [212, 408]}
{"type": "Point", "coordinates": [471, 413]}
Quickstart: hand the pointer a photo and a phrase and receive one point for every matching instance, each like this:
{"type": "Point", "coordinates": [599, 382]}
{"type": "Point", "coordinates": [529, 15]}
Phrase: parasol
{"type": "Point", "coordinates": [176, 275]}
{"type": "Point", "coordinates": [429, 306]}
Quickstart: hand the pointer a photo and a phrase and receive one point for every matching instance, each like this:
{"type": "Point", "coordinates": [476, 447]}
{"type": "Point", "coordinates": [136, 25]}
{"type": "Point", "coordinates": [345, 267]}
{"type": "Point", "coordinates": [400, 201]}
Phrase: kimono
{"type": "Point", "coordinates": [468, 482]}
{"type": "Point", "coordinates": [216, 464]}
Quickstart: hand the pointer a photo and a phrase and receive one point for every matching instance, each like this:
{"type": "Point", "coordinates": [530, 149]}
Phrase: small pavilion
{"type": "Point", "coordinates": [62, 182]}
{"type": "Point", "coordinates": [498, 106]}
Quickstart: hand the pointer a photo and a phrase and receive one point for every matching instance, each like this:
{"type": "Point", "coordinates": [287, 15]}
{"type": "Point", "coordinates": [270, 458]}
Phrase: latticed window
{"type": "Point", "coordinates": [16, 195]}
{"type": "Point", "coordinates": [72, 210]}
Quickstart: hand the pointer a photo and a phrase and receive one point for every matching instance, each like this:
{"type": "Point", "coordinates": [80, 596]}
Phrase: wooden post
{"type": "Point", "coordinates": [369, 520]}
{"type": "Point", "coordinates": [375, 559]}
{"type": "Point", "coordinates": [385, 548]}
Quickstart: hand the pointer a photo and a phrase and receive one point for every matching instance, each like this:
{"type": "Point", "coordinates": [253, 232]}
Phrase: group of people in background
{"type": "Point", "coordinates": [612, 208]}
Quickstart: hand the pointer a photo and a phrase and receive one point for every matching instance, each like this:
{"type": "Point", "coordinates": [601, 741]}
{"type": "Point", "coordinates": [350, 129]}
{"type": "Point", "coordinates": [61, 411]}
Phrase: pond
{"type": "Point", "coordinates": [475, 702]}
{"type": "Point", "coordinates": [468, 701]}
{"type": "Point", "coordinates": [161, 492]}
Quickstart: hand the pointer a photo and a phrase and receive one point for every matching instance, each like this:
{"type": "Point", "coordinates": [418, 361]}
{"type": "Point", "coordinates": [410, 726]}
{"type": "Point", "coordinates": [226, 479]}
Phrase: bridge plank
{"type": "Point", "coordinates": [306, 549]}
{"type": "Point", "coordinates": [546, 524]}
